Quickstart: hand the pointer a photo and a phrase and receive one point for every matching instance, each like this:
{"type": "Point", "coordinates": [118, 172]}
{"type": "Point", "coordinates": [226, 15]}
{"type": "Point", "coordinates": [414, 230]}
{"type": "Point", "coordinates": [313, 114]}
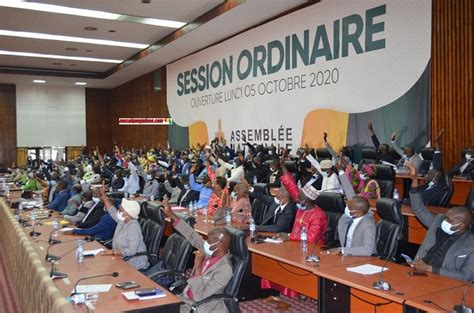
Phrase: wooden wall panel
{"type": "Point", "coordinates": [452, 84]}
{"type": "Point", "coordinates": [7, 124]}
{"type": "Point", "coordinates": [135, 98]}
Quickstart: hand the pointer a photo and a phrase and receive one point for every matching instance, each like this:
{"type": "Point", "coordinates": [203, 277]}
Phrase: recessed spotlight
{"type": "Point", "coordinates": [39, 81]}
{"type": "Point", "coordinates": [90, 28]}
{"type": "Point", "coordinates": [80, 83]}
{"type": "Point", "coordinates": [71, 49]}
{"type": "Point", "coordinates": [112, 31]}
{"type": "Point", "coordinates": [57, 63]}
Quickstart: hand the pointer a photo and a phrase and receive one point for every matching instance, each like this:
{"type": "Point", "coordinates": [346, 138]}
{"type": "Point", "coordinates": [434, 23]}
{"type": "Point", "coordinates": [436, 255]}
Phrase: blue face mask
{"type": "Point", "coordinates": [301, 206]}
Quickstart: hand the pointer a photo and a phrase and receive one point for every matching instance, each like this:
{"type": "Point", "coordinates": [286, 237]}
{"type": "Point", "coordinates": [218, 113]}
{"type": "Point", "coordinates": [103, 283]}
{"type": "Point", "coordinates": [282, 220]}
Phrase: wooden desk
{"type": "Point", "coordinates": [461, 186]}
{"type": "Point", "coordinates": [443, 301]}
{"type": "Point", "coordinates": [347, 287]}
{"type": "Point", "coordinates": [285, 264]}
{"type": "Point", "coordinates": [112, 301]}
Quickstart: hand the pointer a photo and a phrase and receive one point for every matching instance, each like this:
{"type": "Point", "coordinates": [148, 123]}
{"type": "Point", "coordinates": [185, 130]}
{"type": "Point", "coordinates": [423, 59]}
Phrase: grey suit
{"type": "Point", "coordinates": [416, 159]}
{"type": "Point", "coordinates": [212, 281]}
{"type": "Point", "coordinates": [459, 260]}
{"type": "Point", "coordinates": [363, 237]}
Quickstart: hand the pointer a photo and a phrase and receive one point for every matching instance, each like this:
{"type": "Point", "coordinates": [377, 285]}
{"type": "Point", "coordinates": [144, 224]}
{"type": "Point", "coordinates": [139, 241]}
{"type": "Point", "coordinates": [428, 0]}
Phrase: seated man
{"type": "Point", "coordinates": [92, 216]}
{"type": "Point", "coordinates": [383, 150]}
{"type": "Point", "coordinates": [465, 167]}
{"type": "Point", "coordinates": [448, 248]}
{"type": "Point", "coordinates": [204, 189]}
{"type": "Point", "coordinates": [74, 202]}
{"type": "Point", "coordinates": [281, 211]}
{"type": "Point", "coordinates": [86, 204]}
{"type": "Point", "coordinates": [212, 265]}
{"type": "Point", "coordinates": [104, 230]}
{"type": "Point", "coordinates": [151, 185]}
{"type": "Point", "coordinates": [60, 201]}
{"type": "Point", "coordinates": [408, 154]}
{"type": "Point", "coordinates": [330, 180]}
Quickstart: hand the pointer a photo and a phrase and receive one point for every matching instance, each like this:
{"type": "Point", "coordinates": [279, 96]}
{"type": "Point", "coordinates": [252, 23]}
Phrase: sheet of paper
{"type": "Point", "coordinates": [66, 229]}
{"type": "Point", "coordinates": [178, 208]}
{"type": "Point", "coordinates": [93, 288]}
{"type": "Point", "coordinates": [271, 240]}
{"type": "Point", "coordinates": [130, 295]}
{"type": "Point", "coordinates": [366, 269]}
{"type": "Point", "coordinates": [94, 252]}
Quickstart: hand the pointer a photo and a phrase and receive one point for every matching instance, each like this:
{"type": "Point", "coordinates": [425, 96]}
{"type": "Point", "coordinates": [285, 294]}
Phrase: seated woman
{"type": "Point", "coordinates": [361, 182]}
{"type": "Point", "coordinates": [128, 238]}
{"type": "Point", "coordinates": [310, 217]}
{"type": "Point", "coordinates": [241, 208]}
{"type": "Point", "coordinates": [219, 191]}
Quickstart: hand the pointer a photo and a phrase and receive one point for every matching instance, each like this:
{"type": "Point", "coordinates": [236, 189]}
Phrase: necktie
{"type": "Point", "coordinates": [276, 213]}
{"type": "Point", "coordinates": [347, 231]}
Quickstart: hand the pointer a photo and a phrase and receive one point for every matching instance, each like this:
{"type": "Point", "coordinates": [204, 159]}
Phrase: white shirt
{"type": "Point", "coordinates": [350, 232]}
{"type": "Point", "coordinates": [331, 184]}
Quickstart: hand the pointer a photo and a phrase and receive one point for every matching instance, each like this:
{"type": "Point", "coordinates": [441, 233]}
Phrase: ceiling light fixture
{"type": "Point", "coordinates": [43, 7]}
{"type": "Point", "coordinates": [102, 42]}
{"type": "Point", "coordinates": [54, 56]}
{"type": "Point", "coordinates": [80, 83]}
{"type": "Point", "coordinates": [39, 81]}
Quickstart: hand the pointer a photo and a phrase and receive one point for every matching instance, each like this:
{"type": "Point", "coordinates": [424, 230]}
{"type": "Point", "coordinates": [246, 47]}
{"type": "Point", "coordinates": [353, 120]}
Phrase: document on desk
{"type": "Point", "coordinates": [366, 269]}
{"type": "Point", "coordinates": [93, 252]}
{"type": "Point", "coordinates": [66, 229]}
{"type": "Point", "coordinates": [271, 240]}
{"type": "Point", "coordinates": [93, 288]}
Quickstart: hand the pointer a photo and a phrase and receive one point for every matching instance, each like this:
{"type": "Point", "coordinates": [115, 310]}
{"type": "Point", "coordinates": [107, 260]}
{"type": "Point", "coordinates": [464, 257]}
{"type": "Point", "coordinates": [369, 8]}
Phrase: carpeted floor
{"type": "Point", "coordinates": [8, 300]}
{"type": "Point", "coordinates": [257, 306]}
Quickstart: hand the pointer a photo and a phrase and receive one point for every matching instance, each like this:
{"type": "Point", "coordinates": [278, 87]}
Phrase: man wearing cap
{"type": "Point", "coordinates": [128, 238]}
{"type": "Point", "coordinates": [330, 180]}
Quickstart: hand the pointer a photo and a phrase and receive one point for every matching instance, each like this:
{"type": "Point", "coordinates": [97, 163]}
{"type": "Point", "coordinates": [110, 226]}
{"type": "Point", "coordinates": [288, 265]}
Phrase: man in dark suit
{"type": "Point", "coordinates": [281, 211]}
{"type": "Point", "coordinates": [95, 213]}
{"type": "Point", "coordinates": [383, 150]}
{"type": "Point", "coordinates": [465, 167]}
{"type": "Point", "coordinates": [275, 174]}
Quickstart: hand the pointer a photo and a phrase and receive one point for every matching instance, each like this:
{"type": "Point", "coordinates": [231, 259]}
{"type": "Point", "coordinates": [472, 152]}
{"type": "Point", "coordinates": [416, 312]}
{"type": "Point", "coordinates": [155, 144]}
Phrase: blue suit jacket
{"type": "Point", "coordinates": [103, 230]}
{"type": "Point", "coordinates": [60, 201]}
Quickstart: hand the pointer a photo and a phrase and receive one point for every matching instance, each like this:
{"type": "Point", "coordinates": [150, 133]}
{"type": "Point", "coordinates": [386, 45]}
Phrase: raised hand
{"type": "Point", "coordinates": [325, 137]}
{"type": "Point", "coordinates": [411, 169]}
{"type": "Point", "coordinates": [438, 137]}
{"type": "Point", "coordinates": [394, 135]}
{"type": "Point", "coordinates": [370, 126]}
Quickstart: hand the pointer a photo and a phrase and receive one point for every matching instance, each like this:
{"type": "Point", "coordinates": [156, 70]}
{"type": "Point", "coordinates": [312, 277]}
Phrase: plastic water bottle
{"type": "Point", "coordinates": [255, 179]}
{"type": "Point", "coordinates": [252, 228]}
{"type": "Point", "coordinates": [204, 213]}
{"type": "Point", "coordinates": [304, 239]}
{"type": "Point", "coordinates": [152, 198]}
{"type": "Point", "coordinates": [396, 195]}
{"type": "Point", "coordinates": [431, 166]}
{"type": "Point", "coordinates": [228, 218]}
{"type": "Point", "coordinates": [195, 209]}
{"type": "Point", "coordinates": [33, 217]}
{"type": "Point", "coordinates": [191, 208]}
{"type": "Point", "coordinates": [126, 195]}
{"type": "Point", "coordinates": [7, 191]}
{"type": "Point", "coordinates": [299, 184]}
{"type": "Point", "coordinates": [55, 227]}
{"type": "Point", "coordinates": [80, 251]}
{"type": "Point", "coordinates": [20, 209]}
{"type": "Point", "coordinates": [111, 189]}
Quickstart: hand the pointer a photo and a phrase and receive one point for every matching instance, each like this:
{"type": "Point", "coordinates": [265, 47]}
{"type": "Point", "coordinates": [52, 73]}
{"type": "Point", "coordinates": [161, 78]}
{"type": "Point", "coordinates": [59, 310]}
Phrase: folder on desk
{"type": "Point", "coordinates": [367, 269]}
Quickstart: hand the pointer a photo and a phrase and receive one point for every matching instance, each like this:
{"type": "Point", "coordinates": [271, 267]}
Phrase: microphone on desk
{"type": "Point", "coordinates": [462, 308]}
{"type": "Point", "coordinates": [256, 237]}
{"type": "Point", "coordinates": [51, 257]}
{"type": "Point", "coordinates": [381, 284]}
{"type": "Point", "coordinates": [313, 257]}
{"type": "Point", "coordinates": [74, 294]}
{"type": "Point", "coordinates": [52, 241]}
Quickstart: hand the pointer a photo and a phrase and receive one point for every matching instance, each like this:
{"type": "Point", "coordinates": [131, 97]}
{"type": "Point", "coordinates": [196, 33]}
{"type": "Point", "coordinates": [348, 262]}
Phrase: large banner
{"type": "Point", "coordinates": [330, 67]}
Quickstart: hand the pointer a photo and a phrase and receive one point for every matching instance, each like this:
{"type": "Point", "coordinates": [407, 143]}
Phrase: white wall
{"type": "Point", "coordinates": [50, 116]}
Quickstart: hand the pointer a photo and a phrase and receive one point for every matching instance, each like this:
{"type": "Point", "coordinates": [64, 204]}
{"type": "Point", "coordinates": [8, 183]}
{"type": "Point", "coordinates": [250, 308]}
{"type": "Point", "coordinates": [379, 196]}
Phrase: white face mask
{"type": "Point", "coordinates": [233, 195]}
{"type": "Point", "coordinates": [301, 207]}
{"type": "Point", "coordinates": [207, 248]}
{"type": "Point", "coordinates": [120, 217]}
{"type": "Point", "coordinates": [347, 212]}
{"type": "Point", "coordinates": [53, 183]}
{"type": "Point", "coordinates": [277, 201]}
{"type": "Point", "coordinates": [95, 199]}
{"type": "Point", "coordinates": [363, 176]}
{"type": "Point", "coordinates": [468, 156]}
{"type": "Point", "coordinates": [446, 227]}
{"type": "Point", "coordinates": [270, 152]}
{"type": "Point", "coordinates": [148, 177]}
{"type": "Point", "coordinates": [324, 174]}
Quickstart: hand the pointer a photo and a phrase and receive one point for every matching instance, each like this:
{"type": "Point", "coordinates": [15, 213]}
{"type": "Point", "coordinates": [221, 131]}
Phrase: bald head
{"type": "Point", "coordinates": [358, 206]}
{"type": "Point", "coordinates": [221, 238]}
{"type": "Point", "coordinates": [460, 217]}
{"type": "Point", "coordinates": [283, 195]}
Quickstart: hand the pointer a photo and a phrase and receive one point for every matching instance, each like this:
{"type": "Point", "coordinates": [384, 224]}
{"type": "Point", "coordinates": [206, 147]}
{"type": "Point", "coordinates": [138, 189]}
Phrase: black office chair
{"type": "Point", "coordinates": [259, 208]}
{"type": "Point", "coordinates": [323, 154]}
{"type": "Point", "coordinates": [395, 155]}
{"type": "Point", "coordinates": [333, 204]}
{"type": "Point", "coordinates": [470, 200]}
{"type": "Point", "coordinates": [240, 257]}
{"type": "Point", "coordinates": [175, 255]}
{"type": "Point", "coordinates": [389, 229]}
{"type": "Point", "coordinates": [385, 176]}
{"type": "Point", "coordinates": [368, 156]}
{"type": "Point", "coordinates": [427, 155]}
{"type": "Point", "coordinates": [291, 166]}
{"type": "Point", "coordinates": [448, 190]}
